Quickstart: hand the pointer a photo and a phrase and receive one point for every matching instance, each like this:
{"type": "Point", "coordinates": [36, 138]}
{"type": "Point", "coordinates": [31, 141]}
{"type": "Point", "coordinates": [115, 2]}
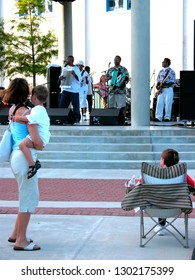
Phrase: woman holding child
{"type": "Point", "coordinates": [16, 95]}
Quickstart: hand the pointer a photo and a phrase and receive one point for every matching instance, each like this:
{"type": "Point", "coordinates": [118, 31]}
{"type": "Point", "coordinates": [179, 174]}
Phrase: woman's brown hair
{"type": "Point", "coordinates": [16, 93]}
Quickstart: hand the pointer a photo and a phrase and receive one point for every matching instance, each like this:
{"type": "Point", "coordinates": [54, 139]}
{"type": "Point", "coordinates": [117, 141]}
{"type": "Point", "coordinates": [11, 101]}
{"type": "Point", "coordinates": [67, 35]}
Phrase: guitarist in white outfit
{"type": "Point", "coordinates": [165, 82]}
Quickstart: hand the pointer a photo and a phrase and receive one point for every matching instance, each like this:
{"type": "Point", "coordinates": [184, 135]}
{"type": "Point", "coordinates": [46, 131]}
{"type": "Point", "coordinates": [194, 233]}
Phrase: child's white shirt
{"type": "Point", "coordinates": [38, 115]}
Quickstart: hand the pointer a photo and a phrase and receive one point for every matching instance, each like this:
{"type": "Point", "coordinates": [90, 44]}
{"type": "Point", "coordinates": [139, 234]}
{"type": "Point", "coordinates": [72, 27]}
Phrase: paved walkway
{"type": "Point", "coordinates": [79, 218]}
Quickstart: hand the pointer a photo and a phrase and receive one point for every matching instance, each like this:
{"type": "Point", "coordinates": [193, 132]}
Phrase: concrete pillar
{"type": "Point", "coordinates": [1, 9]}
{"type": "Point", "coordinates": [68, 41]}
{"type": "Point", "coordinates": [87, 27]}
{"type": "Point", "coordinates": [185, 35]}
{"type": "Point", "coordinates": [140, 63]}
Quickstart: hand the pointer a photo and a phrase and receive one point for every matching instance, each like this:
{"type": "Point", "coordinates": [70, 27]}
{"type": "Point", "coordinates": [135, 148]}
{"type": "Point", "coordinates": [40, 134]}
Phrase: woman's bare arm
{"type": "Point", "coordinates": [21, 119]}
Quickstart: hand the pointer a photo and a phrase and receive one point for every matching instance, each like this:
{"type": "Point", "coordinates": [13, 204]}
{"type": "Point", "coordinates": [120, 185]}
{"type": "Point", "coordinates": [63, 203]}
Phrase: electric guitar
{"type": "Point", "coordinates": [159, 85]}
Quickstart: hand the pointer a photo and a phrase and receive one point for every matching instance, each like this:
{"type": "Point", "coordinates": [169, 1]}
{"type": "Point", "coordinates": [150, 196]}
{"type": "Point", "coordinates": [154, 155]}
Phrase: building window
{"type": "Point", "coordinates": [128, 4]}
{"type": "Point", "coordinates": [47, 8]}
{"type": "Point", "coordinates": [117, 5]}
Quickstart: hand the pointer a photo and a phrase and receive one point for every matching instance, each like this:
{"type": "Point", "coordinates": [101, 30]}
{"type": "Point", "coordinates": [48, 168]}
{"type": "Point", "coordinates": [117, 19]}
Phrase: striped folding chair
{"type": "Point", "coordinates": [163, 194]}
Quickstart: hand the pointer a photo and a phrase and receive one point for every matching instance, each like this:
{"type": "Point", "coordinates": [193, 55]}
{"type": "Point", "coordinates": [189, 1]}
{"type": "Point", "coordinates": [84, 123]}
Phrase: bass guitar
{"type": "Point", "coordinates": [160, 84]}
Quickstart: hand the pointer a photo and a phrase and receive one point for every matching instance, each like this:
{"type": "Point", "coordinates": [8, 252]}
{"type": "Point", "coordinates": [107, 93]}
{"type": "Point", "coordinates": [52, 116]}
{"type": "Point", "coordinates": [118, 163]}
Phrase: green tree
{"type": "Point", "coordinates": [28, 51]}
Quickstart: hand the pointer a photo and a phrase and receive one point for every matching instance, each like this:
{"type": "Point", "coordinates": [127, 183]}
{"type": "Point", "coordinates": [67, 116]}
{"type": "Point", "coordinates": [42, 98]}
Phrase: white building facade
{"type": "Point", "coordinates": [102, 29]}
{"type": "Point", "coordinates": [99, 33]}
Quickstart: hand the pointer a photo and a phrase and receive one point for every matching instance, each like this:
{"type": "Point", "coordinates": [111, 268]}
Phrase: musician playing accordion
{"type": "Point", "coordinates": [118, 77]}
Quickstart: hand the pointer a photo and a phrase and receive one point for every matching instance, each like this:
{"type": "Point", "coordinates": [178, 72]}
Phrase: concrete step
{"type": "Point", "coordinates": [107, 131]}
{"type": "Point", "coordinates": [113, 131]}
{"type": "Point", "coordinates": [91, 155]}
{"type": "Point", "coordinates": [118, 139]}
{"type": "Point", "coordinates": [113, 147]}
{"type": "Point", "coordinates": [98, 147]}
{"type": "Point", "coordinates": [97, 164]}
{"type": "Point", "coordinates": [103, 164]}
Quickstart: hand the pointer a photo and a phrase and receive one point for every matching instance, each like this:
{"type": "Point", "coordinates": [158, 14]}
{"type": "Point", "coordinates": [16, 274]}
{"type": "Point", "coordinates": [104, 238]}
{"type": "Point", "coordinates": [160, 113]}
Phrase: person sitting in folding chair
{"type": "Point", "coordinates": [169, 157]}
{"type": "Point", "coordinates": [164, 193]}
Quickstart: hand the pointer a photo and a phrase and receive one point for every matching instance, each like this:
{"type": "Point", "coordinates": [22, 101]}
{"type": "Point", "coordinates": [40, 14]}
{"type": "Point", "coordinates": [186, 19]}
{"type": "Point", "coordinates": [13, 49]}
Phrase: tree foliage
{"type": "Point", "coordinates": [2, 48]}
{"type": "Point", "coordinates": [28, 50]}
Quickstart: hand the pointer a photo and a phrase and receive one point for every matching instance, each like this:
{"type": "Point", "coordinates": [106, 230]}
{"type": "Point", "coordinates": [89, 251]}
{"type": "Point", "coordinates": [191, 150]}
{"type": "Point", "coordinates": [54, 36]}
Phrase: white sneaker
{"type": "Point", "coordinates": [128, 187]}
{"type": "Point", "coordinates": [160, 230]}
{"type": "Point", "coordinates": [84, 117]}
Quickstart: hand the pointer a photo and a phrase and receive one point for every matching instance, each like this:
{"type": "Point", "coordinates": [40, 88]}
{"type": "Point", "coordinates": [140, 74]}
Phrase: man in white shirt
{"type": "Point", "coordinates": [70, 85]}
{"type": "Point", "coordinates": [165, 83]}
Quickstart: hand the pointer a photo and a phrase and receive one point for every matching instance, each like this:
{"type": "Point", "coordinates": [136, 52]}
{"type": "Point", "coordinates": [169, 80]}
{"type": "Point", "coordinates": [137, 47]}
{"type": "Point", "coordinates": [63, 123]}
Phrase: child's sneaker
{"type": "Point", "coordinates": [84, 117]}
{"type": "Point", "coordinates": [130, 184]}
{"type": "Point", "coordinates": [37, 164]}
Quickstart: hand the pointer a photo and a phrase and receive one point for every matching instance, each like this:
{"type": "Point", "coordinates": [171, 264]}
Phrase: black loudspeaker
{"type": "Point", "coordinates": [4, 114]}
{"type": "Point", "coordinates": [107, 117]}
{"type": "Point", "coordinates": [53, 86]}
{"type": "Point", "coordinates": [61, 116]}
{"type": "Point", "coordinates": [194, 44]}
{"type": "Point", "coordinates": [187, 95]}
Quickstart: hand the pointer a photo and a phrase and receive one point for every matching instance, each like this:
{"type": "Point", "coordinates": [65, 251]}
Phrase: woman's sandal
{"type": "Point", "coordinates": [13, 240]}
{"type": "Point", "coordinates": [32, 171]}
{"type": "Point", "coordinates": [30, 247]}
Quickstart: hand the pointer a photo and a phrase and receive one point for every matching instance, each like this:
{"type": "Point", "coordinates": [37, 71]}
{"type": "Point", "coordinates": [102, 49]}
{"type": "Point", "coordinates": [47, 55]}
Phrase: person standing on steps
{"type": "Point", "coordinates": [165, 82]}
{"type": "Point", "coordinates": [83, 90]}
{"type": "Point", "coordinates": [102, 91]}
{"type": "Point", "coordinates": [118, 77]}
{"type": "Point", "coordinates": [89, 90]}
{"type": "Point", "coordinates": [70, 85]}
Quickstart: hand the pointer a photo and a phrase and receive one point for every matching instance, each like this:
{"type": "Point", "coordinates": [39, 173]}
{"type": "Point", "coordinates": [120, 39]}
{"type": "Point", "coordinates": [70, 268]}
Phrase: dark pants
{"type": "Point", "coordinates": [90, 100]}
{"type": "Point", "coordinates": [68, 97]}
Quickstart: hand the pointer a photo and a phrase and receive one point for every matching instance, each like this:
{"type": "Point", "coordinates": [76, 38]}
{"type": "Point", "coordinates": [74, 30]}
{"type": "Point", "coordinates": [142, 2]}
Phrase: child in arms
{"type": "Point", "coordinates": [38, 115]}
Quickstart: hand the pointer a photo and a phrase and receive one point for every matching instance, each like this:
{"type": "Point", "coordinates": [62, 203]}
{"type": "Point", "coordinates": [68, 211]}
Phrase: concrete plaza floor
{"type": "Point", "coordinates": [88, 237]}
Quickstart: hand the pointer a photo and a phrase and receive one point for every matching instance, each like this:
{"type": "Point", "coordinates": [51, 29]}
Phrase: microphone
{"type": "Point", "coordinates": [109, 64]}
